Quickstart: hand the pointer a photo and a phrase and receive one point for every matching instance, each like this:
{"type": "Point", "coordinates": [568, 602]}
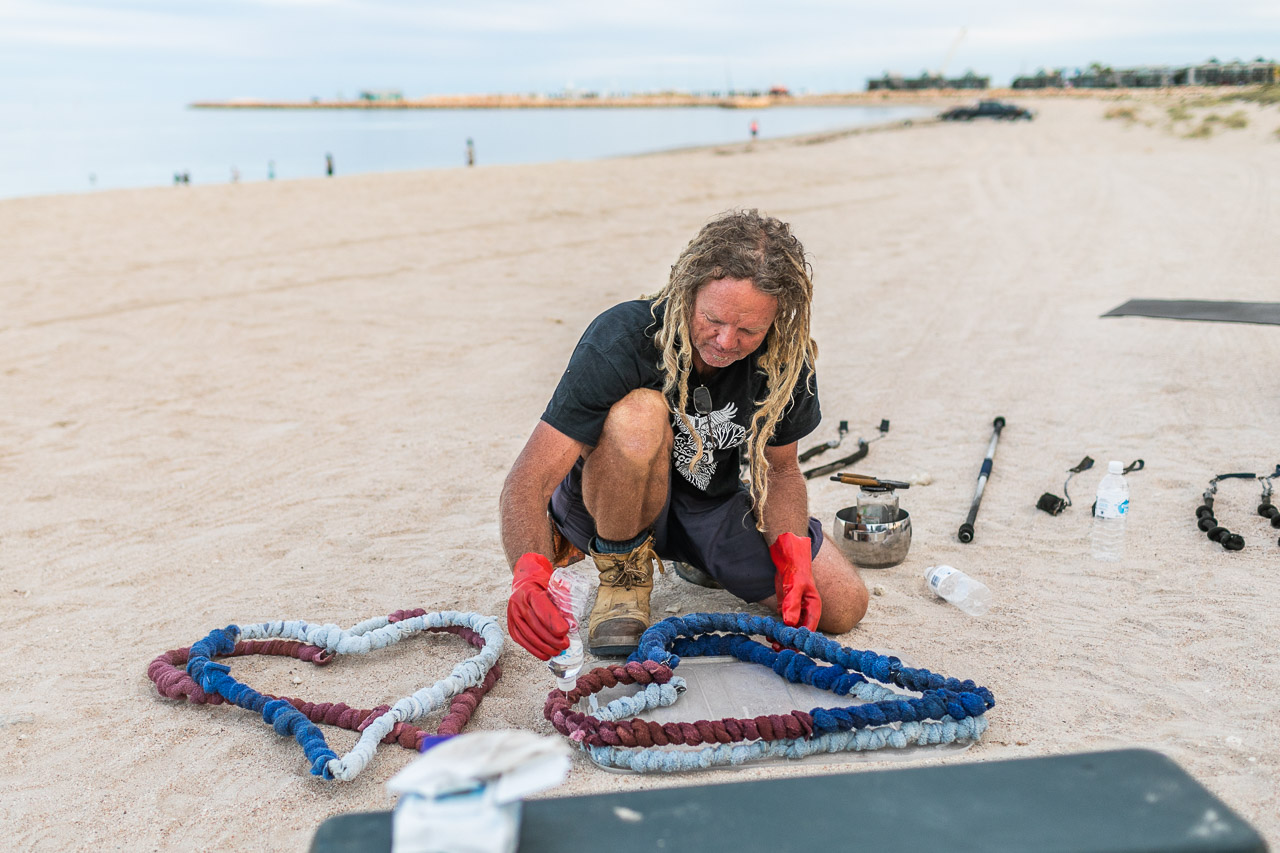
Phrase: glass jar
{"type": "Point", "coordinates": [876, 505]}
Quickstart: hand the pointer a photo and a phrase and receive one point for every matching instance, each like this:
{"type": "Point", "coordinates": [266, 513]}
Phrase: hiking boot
{"type": "Point", "coordinates": [621, 613]}
{"type": "Point", "coordinates": [694, 575]}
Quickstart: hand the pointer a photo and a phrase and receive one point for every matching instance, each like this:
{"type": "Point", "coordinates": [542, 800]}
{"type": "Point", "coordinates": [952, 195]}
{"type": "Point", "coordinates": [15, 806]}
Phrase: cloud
{"type": "Point", "coordinates": [114, 25]}
{"type": "Point", "coordinates": [295, 47]}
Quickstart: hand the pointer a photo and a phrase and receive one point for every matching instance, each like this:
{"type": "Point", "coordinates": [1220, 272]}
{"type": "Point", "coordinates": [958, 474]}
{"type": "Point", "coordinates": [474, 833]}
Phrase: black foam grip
{"type": "Point", "coordinates": [1051, 504]}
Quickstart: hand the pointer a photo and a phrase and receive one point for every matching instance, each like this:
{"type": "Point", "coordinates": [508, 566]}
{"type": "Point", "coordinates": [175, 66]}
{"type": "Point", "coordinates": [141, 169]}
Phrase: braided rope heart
{"type": "Point", "coordinates": [168, 672]}
{"type": "Point", "coordinates": [319, 643]}
{"type": "Point", "coordinates": [945, 710]}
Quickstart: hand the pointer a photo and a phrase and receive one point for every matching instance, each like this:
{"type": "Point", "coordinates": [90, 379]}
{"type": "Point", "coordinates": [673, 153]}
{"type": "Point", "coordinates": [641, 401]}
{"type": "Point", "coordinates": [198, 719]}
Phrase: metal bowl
{"type": "Point", "coordinates": [873, 546]}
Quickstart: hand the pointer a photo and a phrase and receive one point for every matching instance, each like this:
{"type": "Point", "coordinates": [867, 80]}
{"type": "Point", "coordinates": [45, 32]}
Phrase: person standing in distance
{"type": "Point", "coordinates": [637, 455]}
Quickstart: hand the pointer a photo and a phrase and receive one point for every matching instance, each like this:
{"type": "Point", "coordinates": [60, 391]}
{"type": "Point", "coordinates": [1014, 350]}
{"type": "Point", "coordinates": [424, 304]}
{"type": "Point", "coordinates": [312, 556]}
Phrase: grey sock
{"type": "Point", "coordinates": [611, 546]}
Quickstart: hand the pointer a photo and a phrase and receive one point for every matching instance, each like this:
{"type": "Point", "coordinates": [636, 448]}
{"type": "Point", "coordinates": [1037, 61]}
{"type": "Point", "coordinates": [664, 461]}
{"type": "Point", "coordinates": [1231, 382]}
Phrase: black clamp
{"type": "Point", "coordinates": [864, 446]}
{"type": "Point", "coordinates": [1053, 504]}
{"type": "Point", "coordinates": [825, 446]}
{"type": "Point", "coordinates": [1266, 509]}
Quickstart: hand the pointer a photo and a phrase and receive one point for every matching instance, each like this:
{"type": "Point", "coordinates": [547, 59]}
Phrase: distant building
{"type": "Point", "coordinates": [381, 95]}
{"type": "Point", "coordinates": [1147, 77]}
{"type": "Point", "coordinates": [896, 82]}
{"type": "Point", "coordinates": [1211, 73]}
{"type": "Point", "coordinates": [1214, 73]}
{"type": "Point", "coordinates": [1141, 77]}
{"type": "Point", "coordinates": [779, 91]}
{"type": "Point", "coordinates": [1096, 77]}
{"type": "Point", "coordinates": [1041, 80]}
{"type": "Point", "coordinates": [968, 81]}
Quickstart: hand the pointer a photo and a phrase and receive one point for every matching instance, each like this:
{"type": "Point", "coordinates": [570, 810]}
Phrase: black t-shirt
{"type": "Point", "coordinates": [617, 355]}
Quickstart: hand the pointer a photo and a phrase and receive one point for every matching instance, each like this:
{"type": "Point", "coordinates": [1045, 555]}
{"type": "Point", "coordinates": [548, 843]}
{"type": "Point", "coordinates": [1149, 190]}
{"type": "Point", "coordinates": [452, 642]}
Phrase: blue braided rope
{"type": "Point", "coordinates": [376, 633]}
{"type": "Point", "coordinates": [940, 697]}
{"type": "Point", "coordinates": [216, 677]}
{"type": "Point", "coordinates": [656, 695]}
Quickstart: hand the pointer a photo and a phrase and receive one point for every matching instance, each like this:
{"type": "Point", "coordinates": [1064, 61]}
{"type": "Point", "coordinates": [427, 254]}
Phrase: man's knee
{"type": "Point", "coordinates": [639, 426]}
{"type": "Point", "coordinates": [844, 595]}
{"type": "Point", "coordinates": [840, 613]}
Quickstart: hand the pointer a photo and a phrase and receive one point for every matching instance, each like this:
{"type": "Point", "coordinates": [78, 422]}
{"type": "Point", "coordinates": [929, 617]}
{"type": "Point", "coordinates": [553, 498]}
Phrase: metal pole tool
{"type": "Point", "coordinates": [966, 529]}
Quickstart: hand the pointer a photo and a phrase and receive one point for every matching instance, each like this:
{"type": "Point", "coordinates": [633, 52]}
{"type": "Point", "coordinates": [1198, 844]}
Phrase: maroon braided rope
{"type": "Point", "coordinates": [461, 707]}
{"type": "Point", "coordinates": [577, 726]}
{"type": "Point", "coordinates": [170, 677]}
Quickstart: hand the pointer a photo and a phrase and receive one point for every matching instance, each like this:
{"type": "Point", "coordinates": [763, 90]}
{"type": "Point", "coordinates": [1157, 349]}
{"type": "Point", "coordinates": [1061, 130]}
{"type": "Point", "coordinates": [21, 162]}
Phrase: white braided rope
{"type": "Point", "coordinates": [379, 633]}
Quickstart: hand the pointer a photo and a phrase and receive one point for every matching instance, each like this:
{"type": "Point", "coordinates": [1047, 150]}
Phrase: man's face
{"type": "Point", "coordinates": [730, 321]}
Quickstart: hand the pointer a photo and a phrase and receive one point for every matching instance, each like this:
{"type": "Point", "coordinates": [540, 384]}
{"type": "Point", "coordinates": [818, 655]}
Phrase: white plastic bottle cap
{"type": "Point", "coordinates": [1114, 467]}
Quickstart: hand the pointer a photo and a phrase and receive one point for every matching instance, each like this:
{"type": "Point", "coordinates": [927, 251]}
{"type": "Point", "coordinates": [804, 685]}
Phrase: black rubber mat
{"type": "Point", "coordinates": [1126, 801]}
{"type": "Point", "coordinates": [1266, 313]}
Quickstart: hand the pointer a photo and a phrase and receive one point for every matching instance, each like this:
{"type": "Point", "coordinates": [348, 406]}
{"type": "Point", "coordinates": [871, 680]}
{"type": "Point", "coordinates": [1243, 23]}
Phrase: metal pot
{"type": "Point", "coordinates": [873, 546]}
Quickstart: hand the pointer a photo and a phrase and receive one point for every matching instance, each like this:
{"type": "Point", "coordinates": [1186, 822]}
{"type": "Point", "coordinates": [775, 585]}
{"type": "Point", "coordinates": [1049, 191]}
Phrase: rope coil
{"type": "Point", "coordinates": [207, 681]}
{"type": "Point", "coordinates": [945, 710]}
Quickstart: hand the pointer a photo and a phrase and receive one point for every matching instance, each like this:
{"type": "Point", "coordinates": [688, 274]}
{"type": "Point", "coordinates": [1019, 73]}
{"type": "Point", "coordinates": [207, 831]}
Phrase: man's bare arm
{"type": "Point", "coordinates": [844, 596]}
{"type": "Point", "coordinates": [786, 509]}
{"type": "Point", "coordinates": [547, 457]}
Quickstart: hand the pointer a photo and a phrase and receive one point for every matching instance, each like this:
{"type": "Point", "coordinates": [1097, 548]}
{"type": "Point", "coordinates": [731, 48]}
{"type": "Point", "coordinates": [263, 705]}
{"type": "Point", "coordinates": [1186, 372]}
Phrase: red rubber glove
{"type": "Point", "coordinates": [533, 620]}
{"type": "Point", "coordinates": [798, 599]}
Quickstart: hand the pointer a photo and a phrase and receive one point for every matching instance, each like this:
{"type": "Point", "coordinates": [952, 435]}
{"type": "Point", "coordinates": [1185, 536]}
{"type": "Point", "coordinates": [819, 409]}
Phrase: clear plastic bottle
{"type": "Point", "coordinates": [1109, 514]}
{"type": "Point", "coordinates": [953, 585]}
{"type": "Point", "coordinates": [571, 589]}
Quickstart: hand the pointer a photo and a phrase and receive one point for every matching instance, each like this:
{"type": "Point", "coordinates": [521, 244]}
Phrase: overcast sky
{"type": "Point", "coordinates": [182, 50]}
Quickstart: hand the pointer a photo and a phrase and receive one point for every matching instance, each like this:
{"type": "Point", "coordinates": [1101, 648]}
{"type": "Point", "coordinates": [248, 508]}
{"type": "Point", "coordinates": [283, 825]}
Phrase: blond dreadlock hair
{"type": "Point", "coordinates": [742, 244]}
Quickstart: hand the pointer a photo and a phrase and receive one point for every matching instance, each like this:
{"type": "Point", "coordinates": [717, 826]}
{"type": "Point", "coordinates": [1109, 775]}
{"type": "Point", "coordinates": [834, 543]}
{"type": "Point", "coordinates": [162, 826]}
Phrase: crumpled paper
{"type": "Point", "coordinates": [463, 796]}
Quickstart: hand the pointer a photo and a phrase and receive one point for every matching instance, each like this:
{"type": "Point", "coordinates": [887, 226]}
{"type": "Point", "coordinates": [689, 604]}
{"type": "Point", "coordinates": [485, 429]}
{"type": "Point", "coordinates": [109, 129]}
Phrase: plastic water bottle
{"type": "Point", "coordinates": [1109, 513]}
{"type": "Point", "coordinates": [571, 590]}
{"type": "Point", "coordinates": [953, 585]}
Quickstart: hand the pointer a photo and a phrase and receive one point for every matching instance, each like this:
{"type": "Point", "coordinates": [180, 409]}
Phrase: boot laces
{"type": "Point", "coordinates": [633, 571]}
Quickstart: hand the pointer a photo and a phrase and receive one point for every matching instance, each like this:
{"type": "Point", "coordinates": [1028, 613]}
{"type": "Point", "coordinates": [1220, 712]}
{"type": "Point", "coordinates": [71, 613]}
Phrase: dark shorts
{"type": "Point", "coordinates": [716, 535]}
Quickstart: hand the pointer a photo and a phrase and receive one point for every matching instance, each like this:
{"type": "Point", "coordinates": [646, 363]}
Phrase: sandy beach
{"type": "Point", "coordinates": [298, 400]}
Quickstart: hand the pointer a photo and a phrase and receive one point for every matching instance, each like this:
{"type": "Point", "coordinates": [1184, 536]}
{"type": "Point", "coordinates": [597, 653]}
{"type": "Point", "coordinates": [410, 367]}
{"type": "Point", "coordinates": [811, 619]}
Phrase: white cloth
{"type": "Point", "coordinates": [463, 796]}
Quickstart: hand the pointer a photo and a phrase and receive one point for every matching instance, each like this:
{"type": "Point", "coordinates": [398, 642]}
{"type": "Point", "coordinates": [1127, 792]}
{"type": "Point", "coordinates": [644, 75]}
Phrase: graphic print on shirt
{"type": "Point", "coordinates": [717, 431]}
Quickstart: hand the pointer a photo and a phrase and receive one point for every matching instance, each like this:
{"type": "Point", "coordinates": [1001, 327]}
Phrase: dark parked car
{"type": "Point", "coordinates": [986, 109]}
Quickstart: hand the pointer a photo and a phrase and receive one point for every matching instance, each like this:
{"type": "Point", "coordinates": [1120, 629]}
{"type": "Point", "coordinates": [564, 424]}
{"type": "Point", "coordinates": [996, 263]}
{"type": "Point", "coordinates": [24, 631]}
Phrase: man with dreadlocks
{"type": "Point", "coordinates": [637, 456]}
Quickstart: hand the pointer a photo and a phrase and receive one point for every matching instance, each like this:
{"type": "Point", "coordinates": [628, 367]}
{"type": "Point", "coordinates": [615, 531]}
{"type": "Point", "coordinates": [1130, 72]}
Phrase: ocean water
{"type": "Point", "coordinates": [85, 147]}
